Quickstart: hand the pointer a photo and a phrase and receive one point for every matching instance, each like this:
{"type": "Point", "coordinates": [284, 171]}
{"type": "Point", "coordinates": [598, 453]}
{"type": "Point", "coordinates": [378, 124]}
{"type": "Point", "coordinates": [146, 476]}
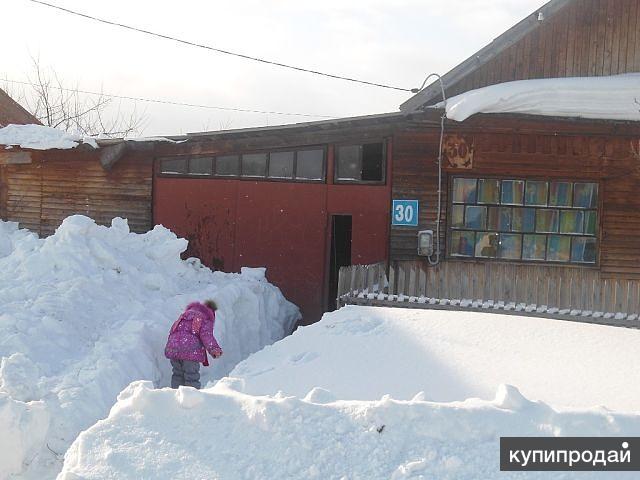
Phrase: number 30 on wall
{"type": "Point", "coordinates": [405, 212]}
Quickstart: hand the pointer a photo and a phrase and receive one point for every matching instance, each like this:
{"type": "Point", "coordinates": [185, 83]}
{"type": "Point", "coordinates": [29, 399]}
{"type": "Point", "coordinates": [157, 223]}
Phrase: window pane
{"type": "Point", "coordinates": [536, 194]}
{"type": "Point", "coordinates": [512, 192]}
{"type": "Point", "coordinates": [475, 218]}
{"type": "Point", "coordinates": [488, 190]}
{"type": "Point", "coordinates": [499, 219]}
{"type": "Point", "coordinates": [464, 190]}
{"type": "Point", "coordinates": [201, 166]}
{"type": "Point", "coordinates": [510, 246]}
{"type": "Point", "coordinates": [534, 247]}
{"type": "Point", "coordinates": [349, 162]}
{"type": "Point", "coordinates": [524, 220]}
{"type": "Point", "coordinates": [590, 222]}
{"type": "Point", "coordinates": [558, 248]}
{"type": "Point", "coordinates": [281, 164]}
{"type": "Point", "coordinates": [228, 165]}
{"type": "Point", "coordinates": [583, 250]}
{"type": "Point", "coordinates": [310, 164]}
{"type": "Point", "coordinates": [560, 194]}
{"type": "Point", "coordinates": [547, 221]}
{"type": "Point", "coordinates": [462, 243]}
{"type": "Point", "coordinates": [457, 216]}
{"type": "Point", "coordinates": [372, 162]}
{"type": "Point", "coordinates": [487, 245]}
{"type": "Point", "coordinates": [571, 221]}
{"type": "Point", "coordinates": [173, 165]}
{"type": "Point", "coordinates": [585, 195]}
{"type": "Point", "coordinates": [254, 165]}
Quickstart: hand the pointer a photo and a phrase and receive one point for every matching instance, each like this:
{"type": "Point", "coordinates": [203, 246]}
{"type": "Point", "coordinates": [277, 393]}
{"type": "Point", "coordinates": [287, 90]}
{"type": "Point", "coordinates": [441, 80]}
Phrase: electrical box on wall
{"type": "Point", "coordinates": [425, 243]}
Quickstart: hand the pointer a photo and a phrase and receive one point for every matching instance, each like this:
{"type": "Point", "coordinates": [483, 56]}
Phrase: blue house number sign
{"type": "Point", "coordinates": [405, 212]}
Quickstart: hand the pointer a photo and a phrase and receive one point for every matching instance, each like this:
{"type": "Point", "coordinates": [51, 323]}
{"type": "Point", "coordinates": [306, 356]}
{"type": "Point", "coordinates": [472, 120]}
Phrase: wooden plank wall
{"type": "Point", "coordinates": [537, 150]}
{"type": "Point", "coordinates": [586, 38]}
{"type": "Point", "coordinates": [58, 184]}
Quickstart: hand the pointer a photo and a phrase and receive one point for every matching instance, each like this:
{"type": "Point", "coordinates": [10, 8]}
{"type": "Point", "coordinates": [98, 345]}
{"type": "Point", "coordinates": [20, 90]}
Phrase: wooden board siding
{"type": "Point", "coordinates": [531, 149]}
{"type": "Point", "coordinates": [585, 38]}
{"type": "Point", "coordinates": [58, 184]}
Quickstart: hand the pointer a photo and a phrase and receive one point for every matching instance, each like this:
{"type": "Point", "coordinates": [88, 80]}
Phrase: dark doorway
{"type": "Point", "coordinates": [340, 254]}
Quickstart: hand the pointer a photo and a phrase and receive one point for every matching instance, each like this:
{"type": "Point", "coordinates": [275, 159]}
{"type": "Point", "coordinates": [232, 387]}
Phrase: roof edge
{"type": "Point", "coordinates": [482, 56]}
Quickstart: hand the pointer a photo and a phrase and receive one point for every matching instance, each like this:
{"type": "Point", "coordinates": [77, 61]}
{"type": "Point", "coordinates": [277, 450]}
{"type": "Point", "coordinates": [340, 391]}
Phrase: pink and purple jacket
{"type": "Point", "coordinates": [191, 336]}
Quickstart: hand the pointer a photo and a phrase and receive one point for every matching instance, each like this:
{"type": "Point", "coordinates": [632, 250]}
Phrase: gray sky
{"type": "Point", "coordinates": [393, 42]}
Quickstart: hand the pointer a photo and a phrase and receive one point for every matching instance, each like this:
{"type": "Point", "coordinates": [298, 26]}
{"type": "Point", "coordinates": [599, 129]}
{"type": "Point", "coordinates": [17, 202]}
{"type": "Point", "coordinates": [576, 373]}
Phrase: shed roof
{"type": "Point", "coordinates": [12, 112]}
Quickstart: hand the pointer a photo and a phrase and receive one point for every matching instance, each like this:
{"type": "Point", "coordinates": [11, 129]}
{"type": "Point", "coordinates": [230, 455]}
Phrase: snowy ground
{"type": "Point", "coordinates": [86, 311]}
{"type": "Point", "coordinates": [373, 393]}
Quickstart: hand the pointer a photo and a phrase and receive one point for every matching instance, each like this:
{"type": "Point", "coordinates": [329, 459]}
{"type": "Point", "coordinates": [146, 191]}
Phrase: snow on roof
{"type": "Point", "coordinates": [39, 137]}
{"type": "Point", "coordinates": [608, 98]}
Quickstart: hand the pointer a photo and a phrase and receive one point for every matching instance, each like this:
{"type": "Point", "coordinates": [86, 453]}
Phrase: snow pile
{"type": "Point", "coordinates": [362, 394]}
{"type": "Point", "coordinates": [86, 311]}
{"type": "Point", "coordinates": [451, 356]}
{"type": "Point", "coordinates": [612, 98]}
{"type": "Point", "coordinates": [11, 235]}
{"type": "Point", "coordinates": [39, 137]}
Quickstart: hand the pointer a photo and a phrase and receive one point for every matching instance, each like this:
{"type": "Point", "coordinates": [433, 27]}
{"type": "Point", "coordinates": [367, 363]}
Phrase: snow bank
{"type": "Point", "coordinates": [451, 356]}
{"type": "Point", "coordinates": [86, 311]}
{"type": "Point", "coordinates": [377, 393]}
{"type": "Point", "coordinates": [39, 137]}
{"type": "Point", "coordinates": [221, 433]}
{"type": "Point", "coordinates": [613, 98]}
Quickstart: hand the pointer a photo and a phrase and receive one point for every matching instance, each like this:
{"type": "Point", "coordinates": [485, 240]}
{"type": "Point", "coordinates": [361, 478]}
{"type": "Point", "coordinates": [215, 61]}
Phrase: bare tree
{"type": "Point", "coordinates": [67, 108]}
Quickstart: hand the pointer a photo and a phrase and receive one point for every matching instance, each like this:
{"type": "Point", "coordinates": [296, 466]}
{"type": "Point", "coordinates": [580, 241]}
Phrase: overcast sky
{"type": "Point", "coordinates": [396, 42]}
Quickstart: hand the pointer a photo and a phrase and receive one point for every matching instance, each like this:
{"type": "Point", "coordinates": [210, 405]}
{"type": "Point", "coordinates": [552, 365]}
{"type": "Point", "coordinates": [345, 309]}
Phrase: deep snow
{"type": "Point", "coordinates": [360, 395]}
{"type": "Point", "coordinates": [86, 311]}
{"type": "Point", "coordinates": [39, 137]}
{"type": "Point", "coordinates": [610, 97]}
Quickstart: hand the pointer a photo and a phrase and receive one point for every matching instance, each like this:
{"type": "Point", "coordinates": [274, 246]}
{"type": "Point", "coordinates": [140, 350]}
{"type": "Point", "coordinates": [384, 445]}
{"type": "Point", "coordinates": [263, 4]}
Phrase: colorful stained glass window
{"type": "Point", "coordinates": [546, 221]}
{"type": "Point", "coordinates": [583, 250]}
{"type": "Point", "coordinates": [457, 216]}
{"type": "Point", "coordinates": [524, 220]}
{"type": "Point", "coordinates": [560, 194]}
{"type": "Point", "coordinates": [512, 192]}
{"type": "Point", "coordinates": [585, 195]}
{"type": "Point", "coordinates": [558, 248]}
{"type": "Point", "coordinates": [462, 243]}
{"type": "Point", "coordinates": [571, 221]}
{"type": "Point", "coordinates": [590, 222]}
{"type": "Point", "coordinates": [464, 190]}
{"type": "Point", "coordinates": [510, 246]}
{"type": "Point", "coordinates": [488, 191]}
{"type": "Point", "coordinates": [499, 219]}
{"type": "Point", "coordinates": [536, 193]}
{"type": "Point", "coordinates": [534, 247]}
{"type": "Point", "coordinates": [475, 218]}
{"type": "Point", "coordinates": [487, 245]}
{"type": "Point", "coordinates": [517, 219]}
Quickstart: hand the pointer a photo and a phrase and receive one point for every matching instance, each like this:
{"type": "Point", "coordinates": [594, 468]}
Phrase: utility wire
{"type": "Point", "coordinates": [219, 50]}
{"type": "Point", "coordinates": [169, 102]}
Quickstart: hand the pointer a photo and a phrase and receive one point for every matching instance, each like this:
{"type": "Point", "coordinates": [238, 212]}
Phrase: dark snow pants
{"type": "Point", "coordinates": [185, 372]}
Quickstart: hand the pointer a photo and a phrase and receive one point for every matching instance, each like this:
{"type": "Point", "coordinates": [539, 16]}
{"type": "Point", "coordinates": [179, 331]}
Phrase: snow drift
{"type": "Point", "coordinates": [613, 98]}
{"type": "Point", "coordinates": [377, 393]}
{"type": "Point", "coordinates": [86, 311]}
{"type": "Point", "coordinates": [39, 137]}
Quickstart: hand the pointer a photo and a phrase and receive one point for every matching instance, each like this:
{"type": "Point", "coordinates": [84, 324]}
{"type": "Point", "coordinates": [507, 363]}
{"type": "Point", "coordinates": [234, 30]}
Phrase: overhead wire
{"type": "Point", "coordinates": [220, 50]}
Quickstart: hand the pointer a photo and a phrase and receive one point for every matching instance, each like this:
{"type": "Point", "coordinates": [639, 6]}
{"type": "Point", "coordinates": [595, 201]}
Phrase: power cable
{"type": "Point", "coordinates": [219, 50]}
{"type": "Point", "coordinates": [170, 102]}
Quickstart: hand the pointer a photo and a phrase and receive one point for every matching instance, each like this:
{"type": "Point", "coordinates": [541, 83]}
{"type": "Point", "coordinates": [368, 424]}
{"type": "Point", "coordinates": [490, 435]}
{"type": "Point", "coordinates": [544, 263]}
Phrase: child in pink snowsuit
{"type": "Point", "coordinates": [190, 338]}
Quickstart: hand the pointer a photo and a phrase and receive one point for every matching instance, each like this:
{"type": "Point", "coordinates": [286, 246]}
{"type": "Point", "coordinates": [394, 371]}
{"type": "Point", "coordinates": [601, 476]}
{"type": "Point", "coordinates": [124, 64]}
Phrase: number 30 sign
{"type": "Point", "coordinates": [405, 212]}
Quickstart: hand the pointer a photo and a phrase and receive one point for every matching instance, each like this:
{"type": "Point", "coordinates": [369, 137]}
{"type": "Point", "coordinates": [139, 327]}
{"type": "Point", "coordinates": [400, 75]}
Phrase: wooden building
{"type": "Point", "coordinates": [40, 188]}
{"type": "Point", "coordinates": [12, 112]}
{"type": "Point", "coordinates": [537, 210]}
